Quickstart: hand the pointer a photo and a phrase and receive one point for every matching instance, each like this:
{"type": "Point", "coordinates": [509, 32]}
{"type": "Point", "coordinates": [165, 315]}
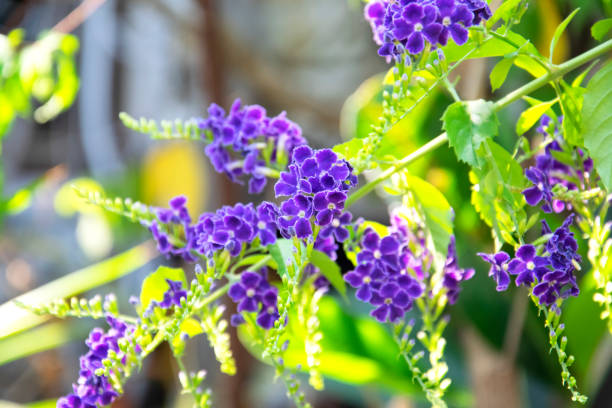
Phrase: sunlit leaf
{"type": "Point", "coordinates": [329, 269]}
{"type": "Point", "coordinates": [601, 28]}
{"type": "Point", "coordinates": [530, 116]}
{"type": "Point", "coordinates": [597, 122]}
{"type": "Point", "coordinates": [559, 31]}
{"type": "Point", "coordinates": [500, 72]}
{"type": "Point", "coordinates": [155, 285]}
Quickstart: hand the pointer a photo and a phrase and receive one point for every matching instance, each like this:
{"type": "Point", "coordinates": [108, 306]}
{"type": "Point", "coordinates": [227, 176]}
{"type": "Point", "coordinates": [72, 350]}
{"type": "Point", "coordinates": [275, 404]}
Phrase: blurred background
{"type": "Point", "coordinates": [316, 60]}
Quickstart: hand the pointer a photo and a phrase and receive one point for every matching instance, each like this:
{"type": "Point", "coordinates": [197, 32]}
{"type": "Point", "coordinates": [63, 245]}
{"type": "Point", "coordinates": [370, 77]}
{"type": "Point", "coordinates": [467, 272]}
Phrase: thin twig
{"type": "Point", "coordinates": [77, 16]}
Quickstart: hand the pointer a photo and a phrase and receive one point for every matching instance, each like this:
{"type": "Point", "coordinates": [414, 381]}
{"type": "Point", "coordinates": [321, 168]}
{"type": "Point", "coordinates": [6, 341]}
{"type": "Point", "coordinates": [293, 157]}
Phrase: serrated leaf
{"type": "Point", "coordinates": [154, 286]}
{"type": "Point", "coordinates": [597, 122]}
{"type": "Point", "coordinates": [559, 31]}
{"type": "Point", "coordinates": [530, 116]}
{"type": "Point", "coordinates": [329, 269]}
{"type": "Point", "coordinates": [601, 28]}
{"type": "Point", "coordinates": [467, 125]}
{"type": "Point", "coordinates": [500, 72]}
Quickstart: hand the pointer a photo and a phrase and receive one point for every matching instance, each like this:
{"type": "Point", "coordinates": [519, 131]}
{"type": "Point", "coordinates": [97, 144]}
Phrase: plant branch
{"type": "Point", "coordinates": [557, 72]}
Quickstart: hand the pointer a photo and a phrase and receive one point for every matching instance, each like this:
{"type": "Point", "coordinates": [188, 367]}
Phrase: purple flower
{"type": "Point", "coordinates": [381, 278]}
{"type": "Point", "coordinates": [541, 190]}
{"type": "Point", "coordinates": [253, 293]}
{"type": "Point", "coordinates": [454, 17]}
{"type": "Point", "coordinates": [418, 24]}
{"type": "Point", "coordinates": [528, 267]}
{"type": "Point", "coordinates": [337, 226]}
{"type": "Point", "coordinates": [499, 268]}
{"type": "Point", "coordinates": [267, 221]}
{"type": "Point", "coordinates": [296, 216]}
{"type": "Point", "coordinates": [93, 390]}
{"type": "Point", "coordinates": [480, 9]}
{"type": "Point", "coordinates": [562, 246]}
{"type": "Point", "coordinates": [246, 141]}
{"type": "Point", "coordinates": [392, 302]}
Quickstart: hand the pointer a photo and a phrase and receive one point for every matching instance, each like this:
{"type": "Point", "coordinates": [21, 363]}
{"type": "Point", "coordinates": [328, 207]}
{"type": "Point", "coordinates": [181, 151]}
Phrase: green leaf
{"type": "Point", "coordinates": [15, 319]}
{"type": "Point", "coordinates": [601, 28]}
{"type": "Point", "coordinates": [282, 252]}
{"type": "Point", "coordinates": [350, 149]}
{"type": "Point", "coordinates": [530, 116]}
{"type": "Point", "coordinates": [34, 341]}
{"type": "Point", "coordinates": [500, 72]}
{"type": "Point", "coordinates": [559, 31]}
{"type": "Point", "coordinates": [437, 213]}
{"type": "Point", "coordinates": [329, 269]}
{"type": "Point", "coordinates": [571, 105]}
{"type": "Point", "coordinates": [597, 122]}
{"type": "Point", "coordinates": [504, 12]}
{"type": "Point", "coordinates": [467, 125]}
{"type": "Point", "coordinates": [496, 193]}
{"type": "Point", "coordinates": [154, 286]}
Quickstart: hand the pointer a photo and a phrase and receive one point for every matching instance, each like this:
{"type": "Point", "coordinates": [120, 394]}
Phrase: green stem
{"type": "Point", "coordinates": [215, 295]}
{"type": "Point", "coordinates": [557, 72]}
{"type": "Point", "coordinates": [399, 165]}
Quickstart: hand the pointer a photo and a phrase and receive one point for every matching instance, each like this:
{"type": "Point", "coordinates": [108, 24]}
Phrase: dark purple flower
{"type": "Point", "coordinates": [480, 9]}
{"type": "Point", "coordinates": [366, 278]}
{"type": "Point", "coordinates": [317, 181]}
{"type": "Point", "coordinates": [253, 293]}
{"type": "Point", "coordinates": [454, 17]}
{"type": "Point", "coordinates": [392, 302]}
{"type": "Point", "coordinates": [418, 24]}
{"type": "Point", "coordinates": [541, 190]}
{"type": "Point", "coordinates": [267, 221]}
{"type": "Point", "coordinates": [562, 247]}
{"type": "Point", "coordinates": [528, 267]}
{"type": "Point", "coordinates": [337, 226]}
{"type": "Point", "coordinates": [499, 268]}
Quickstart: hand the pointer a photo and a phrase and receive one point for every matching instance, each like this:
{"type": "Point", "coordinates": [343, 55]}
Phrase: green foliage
{"type": "Point", "coordinates": [215, 328]}
{"type": "Point", "coordinates": [496, 194]}
{"type": "Point", "coordinates": [329, 269]}
{"type": "Point", "coordinates": [467, 125]}
{"type": "Point", "coordinates": [44, 70]}
{"type": "Point", "coordinates": [601, 28]}
{"type": "Point", "coordinates": [531, 115]}
{"type": "Point", "coordinates": [571, 98]}
{"type": "Point", "coordinates": [558, 32]}
{"type": "Point", "coordinates": [500, 72]}
{"type": "Point", "coordinates": [435, 210]}
{"type": "Point", "coordinates": [177, 129]}
{"type": "Point", "coordinates": [597, 122]}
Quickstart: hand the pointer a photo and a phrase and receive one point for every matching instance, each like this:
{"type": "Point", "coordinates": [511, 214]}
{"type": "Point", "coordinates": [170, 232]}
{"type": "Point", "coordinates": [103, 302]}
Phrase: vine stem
{"type": "Point", "coordinates": [555, 73]}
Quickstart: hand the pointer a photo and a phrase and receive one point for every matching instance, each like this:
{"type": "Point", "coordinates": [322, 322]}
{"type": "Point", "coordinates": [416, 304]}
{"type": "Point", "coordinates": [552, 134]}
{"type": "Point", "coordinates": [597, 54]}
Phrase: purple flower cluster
{"type": "Point", "coordinates": [174, 222]}
{"type": "Point", "coordinates": [549, 171]}
{"type": "Point", "coordinates": [383, 275]}
{"type": "Point", "coordinates": [411, 25]}
{"type": "Point", "coordinates": [246, 141]}
{"type": "Point", "coordinates": [232, 226]}
{"type": "Point", "coordinates": [93, 390]}
{"type": "Point", "coordinates": [253, 293]}
{"type": "Point", "coordinates": [316, 181]}
{"type": "Point", "coordinates": [551, 276]}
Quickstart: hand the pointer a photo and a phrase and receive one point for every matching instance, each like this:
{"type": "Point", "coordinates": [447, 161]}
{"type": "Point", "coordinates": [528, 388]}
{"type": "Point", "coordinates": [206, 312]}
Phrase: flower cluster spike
{"type": "Point", "coordinates": [549, 172]}
{"type": "Point", "coordinates": [92, 388]}
{"type": "Point", "coordinates": [412, 26]}
{"type": "Point", "coordinates": [246, 142]}
{"type": "Point", "coordinates": [550, 277]}
{"type": "Point", "coordinates": [316, 182]}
